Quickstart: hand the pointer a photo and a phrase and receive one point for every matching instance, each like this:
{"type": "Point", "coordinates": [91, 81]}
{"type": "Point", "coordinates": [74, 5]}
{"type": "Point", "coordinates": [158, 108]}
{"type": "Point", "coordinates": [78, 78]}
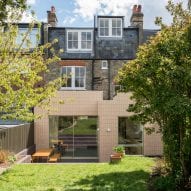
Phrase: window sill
{"type": "Point", "coordinates": [72, 89]}
{"type": "Point", "coordinates": [104, 68]}
{"type": "Point", "coordinates": [79, 51]}
{"type": "Point", "coordinates": [111, 37]}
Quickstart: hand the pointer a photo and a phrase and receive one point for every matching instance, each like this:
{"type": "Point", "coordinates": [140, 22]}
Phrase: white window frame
{"type": "Point", "coordinates": [110, 27]}
{"type": "Point", "coordinates": [79, 41]}
{"type": "Point", "coordinates": [102, 64]}
{"type": "Point", "coordinates": [73, 78]}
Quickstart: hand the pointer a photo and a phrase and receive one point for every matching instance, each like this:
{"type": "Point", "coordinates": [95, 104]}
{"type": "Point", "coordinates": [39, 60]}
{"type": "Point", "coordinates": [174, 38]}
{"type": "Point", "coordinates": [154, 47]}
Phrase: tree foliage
{"type": "Point", "coordinates": [22, 69]}
{"type": "Point", "coordinates": [6, 5]}
{"type": "Point", "coordinates": [22, 66]}
{"type": "Point", "coordinates": [160, 82]}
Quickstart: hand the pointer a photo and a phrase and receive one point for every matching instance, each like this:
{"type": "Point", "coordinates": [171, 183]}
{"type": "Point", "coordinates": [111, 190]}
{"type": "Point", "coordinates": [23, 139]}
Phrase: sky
{"type": "Point", "coordinates": [80, 13]}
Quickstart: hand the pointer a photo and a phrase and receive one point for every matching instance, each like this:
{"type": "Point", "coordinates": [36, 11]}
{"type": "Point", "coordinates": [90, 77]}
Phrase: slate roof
{"type": "Point", "coordinates": [147, 33]}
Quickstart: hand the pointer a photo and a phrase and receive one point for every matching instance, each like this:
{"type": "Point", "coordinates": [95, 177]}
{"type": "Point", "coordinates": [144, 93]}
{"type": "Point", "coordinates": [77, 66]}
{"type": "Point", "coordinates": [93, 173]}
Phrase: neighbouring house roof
{"type": "Point", "coordinates": [147, 33]}
{"type": "Point", "coordinates": [10, 122]}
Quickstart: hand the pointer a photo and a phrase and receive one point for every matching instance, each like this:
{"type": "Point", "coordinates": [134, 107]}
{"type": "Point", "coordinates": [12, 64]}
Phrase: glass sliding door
{"type": "Point", "coordinates": [53, 129]}
{"type": "Point", "coordinates": [65, 134]}
{"type": "Point", "coordinates": [130, 135]}
{"type": "Point", "coordinates": [85, 136]}
{"type": "Point", "coordinates": [74, 136]}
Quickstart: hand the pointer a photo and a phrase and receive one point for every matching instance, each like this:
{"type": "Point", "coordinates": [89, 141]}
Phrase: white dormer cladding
{"type": "Point", "coordinates": [79, 40]}
{"type": "Point", "coordinates": [110, 26]}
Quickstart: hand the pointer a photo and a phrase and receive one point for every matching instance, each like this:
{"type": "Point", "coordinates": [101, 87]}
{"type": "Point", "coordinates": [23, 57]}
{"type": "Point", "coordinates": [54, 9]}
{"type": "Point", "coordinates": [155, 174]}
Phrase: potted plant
{"type": "Point", "coordinates": [119, 150]}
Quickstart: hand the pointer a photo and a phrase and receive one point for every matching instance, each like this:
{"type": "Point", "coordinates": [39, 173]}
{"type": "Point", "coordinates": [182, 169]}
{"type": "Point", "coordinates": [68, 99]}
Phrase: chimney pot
{"type": "Point", "coordinates": [139, 8]}
{"type": "Point", "coordinates": [53, 10]}
{"type": "Point", "coordinates": [134, 8]}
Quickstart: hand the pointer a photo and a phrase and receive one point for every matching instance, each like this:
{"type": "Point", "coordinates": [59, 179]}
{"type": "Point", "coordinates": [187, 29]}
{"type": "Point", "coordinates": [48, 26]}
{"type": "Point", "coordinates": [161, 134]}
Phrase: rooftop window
{"type": "Point", "coordinates": [79, 40]}
{"type": "Point", "coordinates": [110, 27]}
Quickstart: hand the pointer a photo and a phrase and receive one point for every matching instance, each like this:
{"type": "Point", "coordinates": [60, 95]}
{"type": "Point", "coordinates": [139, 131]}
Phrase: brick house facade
{"type": "Point", "coordinates": [94, 117]}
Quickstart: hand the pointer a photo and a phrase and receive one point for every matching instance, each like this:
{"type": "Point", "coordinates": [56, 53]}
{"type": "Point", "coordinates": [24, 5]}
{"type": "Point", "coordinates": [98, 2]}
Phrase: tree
{"type": "Point", "coordinates": [21, 72]}
{"type": "Point", "coordinates": [6, 5]}
{"type": "Point", "coordinates": [160, 82]}
{"type": "Point", "coordinates": [22, 67]}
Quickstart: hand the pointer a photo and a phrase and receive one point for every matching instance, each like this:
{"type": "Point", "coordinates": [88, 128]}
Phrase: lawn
{"type": "Point", "coordinates": [129, 175]}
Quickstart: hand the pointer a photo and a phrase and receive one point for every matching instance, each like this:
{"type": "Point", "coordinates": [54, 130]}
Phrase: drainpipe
{"type": "Point", "coordinates": [93, 61]}
{"type": "Point", "coordinates": [94, 52]}
{"type": "Point", "coordinates": [109, 80]}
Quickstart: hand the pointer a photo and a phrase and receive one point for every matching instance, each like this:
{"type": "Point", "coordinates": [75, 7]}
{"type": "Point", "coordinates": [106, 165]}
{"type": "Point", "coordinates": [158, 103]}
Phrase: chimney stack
{"type": "Point", "coordinates": [51, 16]}
{"type": "Point", "coordinates": [137, 20]}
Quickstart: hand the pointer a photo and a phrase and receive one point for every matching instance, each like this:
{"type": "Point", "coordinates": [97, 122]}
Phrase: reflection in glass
{"type": "Point", "coordinates": [73, 40]}
{"type": "Point", "coordinates": [89, 44]}
{"type": "Point", "coordinates": [119, 23]}
{"type": "Point", "coordinates": [102, 23]}
{"type": "Point", "coordinates": [75, 36]}
{"type": "Point", "coordinates": [66, 77]}
{"type": "Point", "coordinates": [102, 31]}
{"type": "Point", "coordinates": [116, 27]}
{"type": "Point", "coordinates": [114, 31]}
{"type": "Point", "coordinates": [75, 45]}
{"type": "Point", "coordinates": [104, 27]}
{"type": "Point", "coordinates": [114, 23]}
{"type": "Point", "coordinates": [83, 35]}
{"type": "Point", "coordinates": [86, 40]}
{"type": "Point", "coordinates": [74, 136]}
{"type": "Point", "coordinates": [88, 35]}
{"type": "Point", "coordinates": [69, 36]}
{"type": "Point", "coordinates": [83, 45]}
{"type": "Point", "coordinates": [107, 23]}
{"type": "Point", "coordinates": [70, 44]}
{"type": "Point", "coordinates": [118, 32]}
{"type": "Point", "coordinates": [130, 135]}
{"type": "Point", "coordinates": [79, 77]}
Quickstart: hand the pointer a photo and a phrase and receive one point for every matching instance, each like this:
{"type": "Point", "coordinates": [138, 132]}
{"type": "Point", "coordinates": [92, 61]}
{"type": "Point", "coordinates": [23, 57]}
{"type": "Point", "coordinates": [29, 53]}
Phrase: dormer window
{"type": "Point", "coordinates": [79, 40]}
{"type": "Point", "coordinates": [31, 36]}
{"type": "Point", "coordinates": [104, 27]}
{"type": "Point", "coordinates": [110, 27]}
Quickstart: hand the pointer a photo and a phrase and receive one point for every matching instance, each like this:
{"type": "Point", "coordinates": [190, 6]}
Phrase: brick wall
{"type": "Point", "coordinates": [55, 70]}
{"type": "Point", "coordinates": [103, 78]}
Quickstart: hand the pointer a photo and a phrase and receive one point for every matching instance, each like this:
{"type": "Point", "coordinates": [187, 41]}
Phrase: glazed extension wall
{"type": "Point", "coordinates": [91, 103]}
{"type": "Point", "coordinates": [75, 103]}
